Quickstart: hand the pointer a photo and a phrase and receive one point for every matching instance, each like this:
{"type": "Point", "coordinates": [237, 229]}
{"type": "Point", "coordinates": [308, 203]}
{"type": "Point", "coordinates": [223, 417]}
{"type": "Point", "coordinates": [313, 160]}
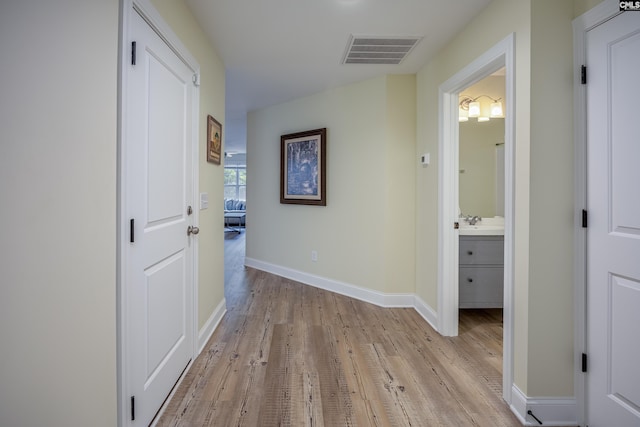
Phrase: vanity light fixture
{"type": "Point", "coordinates": [471, 107]}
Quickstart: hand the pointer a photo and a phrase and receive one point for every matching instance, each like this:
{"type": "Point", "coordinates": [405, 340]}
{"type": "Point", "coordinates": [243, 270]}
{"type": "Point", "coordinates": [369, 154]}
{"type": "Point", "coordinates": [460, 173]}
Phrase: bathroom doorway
{"type": "Point", "coordinates": [481, 221]}
{"type": "Point", "coordinates": [498, 57]}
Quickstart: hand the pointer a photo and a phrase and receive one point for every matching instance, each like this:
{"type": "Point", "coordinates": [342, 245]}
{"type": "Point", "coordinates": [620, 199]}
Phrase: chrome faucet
{"type": "Point", "coordinates": [472, 219]}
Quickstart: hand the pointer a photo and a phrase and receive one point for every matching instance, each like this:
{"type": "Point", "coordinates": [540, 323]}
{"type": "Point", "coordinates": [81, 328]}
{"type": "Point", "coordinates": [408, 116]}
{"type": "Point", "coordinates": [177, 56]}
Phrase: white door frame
{"type": "Point", "coordinates": [157, 23]}
{"type": "Point", "coordinates": [581, 25]}
{"type": "Point", "coordinates": [500, 55]}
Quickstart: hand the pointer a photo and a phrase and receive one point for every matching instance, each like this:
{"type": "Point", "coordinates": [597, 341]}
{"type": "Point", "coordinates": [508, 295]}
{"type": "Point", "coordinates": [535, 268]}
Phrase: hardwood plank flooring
{"type": "Point", "coordinates": [288, 354]}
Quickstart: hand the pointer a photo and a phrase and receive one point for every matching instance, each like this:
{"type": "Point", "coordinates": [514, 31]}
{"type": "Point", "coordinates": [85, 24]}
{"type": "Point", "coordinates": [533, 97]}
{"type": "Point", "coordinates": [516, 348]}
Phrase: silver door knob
{"type": "Point", "coordinates": [192, 230]}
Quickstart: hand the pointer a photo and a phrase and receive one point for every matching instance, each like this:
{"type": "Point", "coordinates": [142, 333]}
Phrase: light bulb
{"type": "Point", "coordinates": [496, 109]}
{"type": "Point", "coordinates": [474, 109]}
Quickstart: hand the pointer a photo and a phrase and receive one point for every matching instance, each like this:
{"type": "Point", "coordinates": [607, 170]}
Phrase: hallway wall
{"type": "Point", "coordinates": [58, 128]}
{"type": "Point", "coordinates": [365, 235]}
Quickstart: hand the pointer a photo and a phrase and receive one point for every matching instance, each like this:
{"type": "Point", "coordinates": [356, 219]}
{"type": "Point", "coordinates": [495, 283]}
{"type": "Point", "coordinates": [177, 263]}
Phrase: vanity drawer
{"type": "Point", "coordinates": [481, 287]}
{"type": "Point", "coordinates": [481, 250]}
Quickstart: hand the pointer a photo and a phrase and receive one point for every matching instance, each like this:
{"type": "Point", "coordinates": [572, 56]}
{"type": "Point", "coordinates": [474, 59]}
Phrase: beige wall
{"type": "Point", "coordinates": [582, 6]}
{"type": "Point", "coordinates": [211, 237]}
{"type": "Point", "coordinates": [370, 166]}
{"type": "Point", "coordinates": [399, 165]}
{"type": "Point", "coordinates": [551, 222]}
{"type": "Point", "coordinates": [58, 79]}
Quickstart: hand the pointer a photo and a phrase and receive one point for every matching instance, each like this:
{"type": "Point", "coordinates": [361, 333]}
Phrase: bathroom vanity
{"type": "Point", "coordinates": [481, 271]}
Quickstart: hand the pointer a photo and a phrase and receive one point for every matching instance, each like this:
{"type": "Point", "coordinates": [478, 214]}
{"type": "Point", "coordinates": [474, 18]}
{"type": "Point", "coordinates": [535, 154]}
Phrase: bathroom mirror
{"type": "Point", "coordinates": [481, 180]}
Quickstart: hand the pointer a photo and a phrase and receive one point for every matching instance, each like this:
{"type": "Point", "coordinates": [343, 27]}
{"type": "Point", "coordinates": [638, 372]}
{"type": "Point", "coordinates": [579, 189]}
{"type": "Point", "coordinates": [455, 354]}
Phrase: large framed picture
{"type": "Point", "coordinates": [303, 168]}
{"type": "Point", "coordinates": [214, 141]}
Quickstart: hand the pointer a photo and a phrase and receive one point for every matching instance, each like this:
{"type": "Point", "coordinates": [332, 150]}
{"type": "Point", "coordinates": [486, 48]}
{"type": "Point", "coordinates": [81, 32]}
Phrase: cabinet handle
{"type": "Point", "coordinates": [469, 279]}
{"type": "Point", "coordinates": [469, 252]}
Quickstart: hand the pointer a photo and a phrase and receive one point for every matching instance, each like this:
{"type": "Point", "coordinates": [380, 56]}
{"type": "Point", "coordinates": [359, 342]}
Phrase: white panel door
{"type": "Point", "coordinates": [159, 263]}
{"type": "Point", "coordinates": [613, 234]}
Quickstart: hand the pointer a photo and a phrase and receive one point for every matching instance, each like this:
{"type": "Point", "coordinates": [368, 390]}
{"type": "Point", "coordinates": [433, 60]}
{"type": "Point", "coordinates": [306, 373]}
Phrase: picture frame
{"type": "Point", "coordinates": [303, 166]}
{"type": "Point", "coordinates": [214, 141]}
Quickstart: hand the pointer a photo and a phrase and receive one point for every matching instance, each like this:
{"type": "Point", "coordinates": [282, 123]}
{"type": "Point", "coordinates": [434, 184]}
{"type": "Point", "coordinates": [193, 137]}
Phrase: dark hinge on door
{"type": "Point", "coordinates": [584, 218]}
{"type": "Point", "coordinates": [583, 75]}
{"type": "Point", "coordinates": [132, 230]}
{"type": "Point", "coordinates": [133, 53]}
{"type": "Point", "coordinates": [133, 408]}
{"type": "Point", "coordinates": [584, 362]}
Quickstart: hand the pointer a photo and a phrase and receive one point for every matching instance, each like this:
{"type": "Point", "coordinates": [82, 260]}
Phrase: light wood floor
{"type": "Point", "coordinates": [288, 354]}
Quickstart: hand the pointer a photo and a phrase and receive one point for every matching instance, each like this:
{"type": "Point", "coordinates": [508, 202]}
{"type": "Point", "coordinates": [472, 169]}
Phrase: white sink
{"type": "Point", "coordinates": [485, 227]}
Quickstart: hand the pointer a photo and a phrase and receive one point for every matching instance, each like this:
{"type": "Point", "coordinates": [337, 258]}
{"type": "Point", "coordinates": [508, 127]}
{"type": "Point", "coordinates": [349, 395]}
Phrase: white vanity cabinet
{"type": "Point", "coordinates": [481, 271]}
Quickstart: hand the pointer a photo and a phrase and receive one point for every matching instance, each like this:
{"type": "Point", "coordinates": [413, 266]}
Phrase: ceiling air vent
{"type": "Point", "coordinates": [378, 50]}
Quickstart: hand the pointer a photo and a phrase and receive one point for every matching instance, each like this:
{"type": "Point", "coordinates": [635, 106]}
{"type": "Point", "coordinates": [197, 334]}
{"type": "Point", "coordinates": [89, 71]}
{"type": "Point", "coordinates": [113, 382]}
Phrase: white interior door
{"type": "Point", "coordinates": [613, 234]}
{"type": "Point", "coordinates": [159, 190]}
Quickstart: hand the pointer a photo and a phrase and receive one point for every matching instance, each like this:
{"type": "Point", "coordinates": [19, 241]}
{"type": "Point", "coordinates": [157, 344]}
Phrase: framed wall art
{"type": "Point", "coordinates": [303, 168]}
{"type": "Point", "coordinates": [214, 141]}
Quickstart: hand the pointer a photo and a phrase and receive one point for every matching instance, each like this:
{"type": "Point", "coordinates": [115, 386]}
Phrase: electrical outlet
{"type": "Point", "coordinates": [314, 256]}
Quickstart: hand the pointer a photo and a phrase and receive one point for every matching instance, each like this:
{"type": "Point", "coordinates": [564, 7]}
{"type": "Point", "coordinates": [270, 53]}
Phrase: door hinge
{"type": "Point", "coordinates": [133, 53]}
{"type": "Point", "coordinates": [456, 225]}
{"type": "Point", "coordinates": [132, 234]}
{"type": "Point", "coordinates": [583, 74]}
{"type": "Point", "coordinates": [133, 408]}
{"type": "Point", "coordinates": [584, 362]}
{"type": "Point", "coordinates": [196, 79]}
{"type": "Point", "coordinates": [584, 218]}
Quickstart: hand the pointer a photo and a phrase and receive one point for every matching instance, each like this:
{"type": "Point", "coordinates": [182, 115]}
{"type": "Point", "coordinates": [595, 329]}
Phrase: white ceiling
{"type": "Point", "coordinates": [279, 50]}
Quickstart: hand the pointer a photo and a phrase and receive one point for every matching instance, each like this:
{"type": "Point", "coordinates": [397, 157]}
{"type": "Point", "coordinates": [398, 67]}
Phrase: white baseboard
{"type": "Point", "coordinates": [367, 295]}
{"type": "Point", "coordinates": [211, 324]}
{"type": "Point", "coordinates": [552, 411]}
{"type": "Point", "coordinates": [426, 311]}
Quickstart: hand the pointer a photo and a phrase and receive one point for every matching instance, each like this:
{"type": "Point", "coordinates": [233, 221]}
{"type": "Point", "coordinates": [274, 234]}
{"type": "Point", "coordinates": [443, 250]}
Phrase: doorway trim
{"type": "Point", "coordinates": [500, 55]}
{"type": "Point", "coordinates": [153, 18]}
{"type": "Point", "coordinates": [581, 26]}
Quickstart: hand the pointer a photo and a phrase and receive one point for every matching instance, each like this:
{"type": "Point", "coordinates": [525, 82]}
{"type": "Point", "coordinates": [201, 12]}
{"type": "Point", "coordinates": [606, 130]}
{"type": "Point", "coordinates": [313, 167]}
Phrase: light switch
{"type": "Point", "coordinates": [204, 201]}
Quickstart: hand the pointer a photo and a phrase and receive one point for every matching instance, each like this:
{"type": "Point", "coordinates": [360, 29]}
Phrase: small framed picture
{"type": "Point", "coordinates": [214, 141]}
{"type": "Point", "coordinates": [303, 168]}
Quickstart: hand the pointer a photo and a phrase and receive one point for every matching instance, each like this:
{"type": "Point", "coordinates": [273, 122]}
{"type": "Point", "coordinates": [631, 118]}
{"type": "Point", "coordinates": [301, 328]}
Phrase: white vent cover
{"type": "Point", "coordinates": [378, 50]}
